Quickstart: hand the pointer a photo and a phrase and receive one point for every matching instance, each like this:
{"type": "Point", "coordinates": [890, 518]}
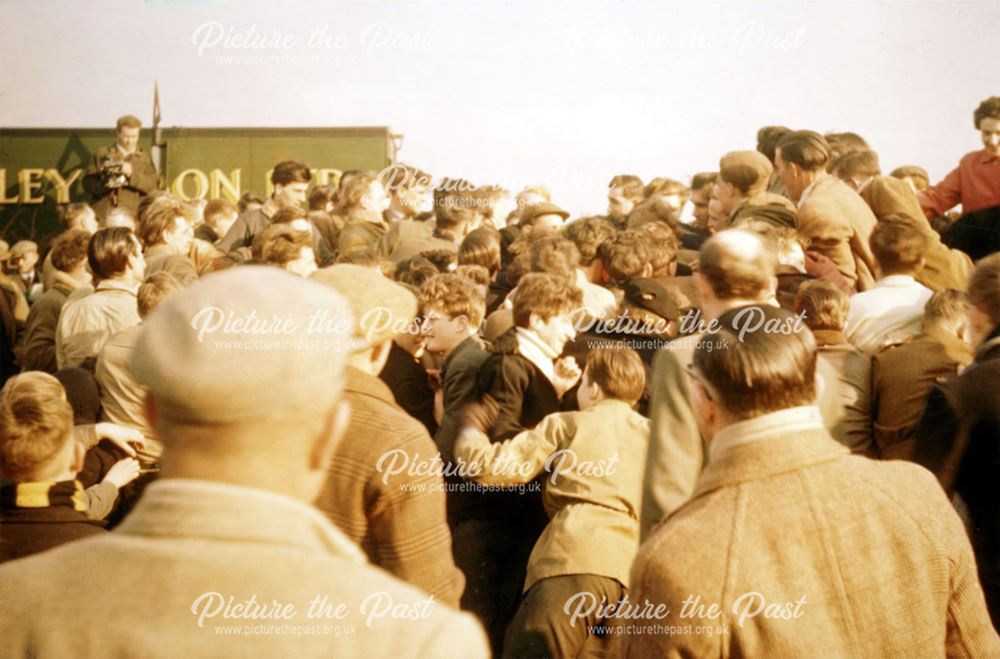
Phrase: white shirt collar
{"type": "Point", "coordinates": [793, 419]}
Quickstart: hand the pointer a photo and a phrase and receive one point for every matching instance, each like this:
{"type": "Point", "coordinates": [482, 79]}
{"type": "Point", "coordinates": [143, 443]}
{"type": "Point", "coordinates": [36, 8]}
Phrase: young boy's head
{"type": "Point", "coordinates": [453, 311]}
{"type": "Point", "coordinates": [36, 424]}
{"type": "Point", "coordinates": [545, 304]}
{"type": "Point", "coordinates": [615, 373]}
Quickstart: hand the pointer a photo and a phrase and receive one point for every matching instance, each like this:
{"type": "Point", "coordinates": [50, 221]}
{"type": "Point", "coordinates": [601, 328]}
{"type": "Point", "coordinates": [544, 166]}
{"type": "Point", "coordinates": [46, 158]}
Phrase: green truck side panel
{"type": "Point", "coordinates": [252, 151]}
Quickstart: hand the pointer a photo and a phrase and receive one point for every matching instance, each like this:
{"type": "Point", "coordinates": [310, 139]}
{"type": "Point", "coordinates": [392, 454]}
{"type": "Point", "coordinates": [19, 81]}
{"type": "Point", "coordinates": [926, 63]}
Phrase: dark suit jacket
{"type": "Point", "coordinates": [407, 380]}
{"type": "Point", "coordinates": [459, 373]}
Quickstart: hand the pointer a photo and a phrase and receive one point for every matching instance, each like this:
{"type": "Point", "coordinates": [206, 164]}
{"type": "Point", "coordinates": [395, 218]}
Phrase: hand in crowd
{"type": "Point", "coordinates": [123, 437]}
{"type": "Point", "coordinates": [566, 373]}
{"type": "Point", "coordinates": [123, 472]}
{"type": "Point", "coordinates": [481, 415]}
{"type": "Point", "coordinates": [127, 168]}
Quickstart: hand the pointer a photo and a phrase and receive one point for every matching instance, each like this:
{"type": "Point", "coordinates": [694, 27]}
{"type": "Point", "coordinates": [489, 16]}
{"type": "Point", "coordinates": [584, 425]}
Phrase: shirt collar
{"type": "Point", "coordinates": [793, 419]}
{"type": "Point", "coordinates": [269, 208]}
{"type": "Point", "coordinates": [536, 351]}
{"type": "Point", "coordinates": [116, 285]}
{"type": "Point", "coordinates": [896, 281]}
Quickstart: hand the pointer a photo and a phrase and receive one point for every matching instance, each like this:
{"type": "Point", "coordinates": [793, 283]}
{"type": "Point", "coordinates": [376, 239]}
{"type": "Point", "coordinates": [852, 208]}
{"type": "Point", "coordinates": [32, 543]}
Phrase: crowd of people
{"type": "Point", "coordinates": [408, 416]}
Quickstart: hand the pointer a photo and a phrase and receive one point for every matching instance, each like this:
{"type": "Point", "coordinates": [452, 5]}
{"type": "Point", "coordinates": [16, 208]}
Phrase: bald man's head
{"type": "Point", "coordinates": [738, 265]}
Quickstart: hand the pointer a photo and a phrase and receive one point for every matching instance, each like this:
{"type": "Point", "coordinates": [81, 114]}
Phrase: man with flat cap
{"type": "Point", "coordinates": [741, 189]}
{"type": "Point", "coordinates": [383, 489]}
{"type": "Point", "coordinates": [224, 555]}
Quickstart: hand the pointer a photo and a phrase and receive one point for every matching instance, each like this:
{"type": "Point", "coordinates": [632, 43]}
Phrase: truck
{"type": "Point", "coordinates": [41, 168]}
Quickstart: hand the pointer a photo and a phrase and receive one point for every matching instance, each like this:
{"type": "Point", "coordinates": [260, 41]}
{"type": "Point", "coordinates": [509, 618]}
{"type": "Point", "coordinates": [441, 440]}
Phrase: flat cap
{"type": "Point", "coordinates": [243, 344]}
{"type": "Point", "coordinates": [381, 307]}
{"type": "Point", "coordinates": [746, 169]}
{"type": "Point", "coordinates": [543, 208]}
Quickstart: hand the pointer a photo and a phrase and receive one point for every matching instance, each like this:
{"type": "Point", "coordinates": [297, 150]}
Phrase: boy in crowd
{"type": "Point", "coordinates": [495, 531]}
{"type": "Point", "coordinates": [452, 315]}
{"type": "Point", "coordinates": [593, 534]}
{"type": "Point", "coordinates": [42, 505]}
{"type": "Point", "coordinates": [893, 309]}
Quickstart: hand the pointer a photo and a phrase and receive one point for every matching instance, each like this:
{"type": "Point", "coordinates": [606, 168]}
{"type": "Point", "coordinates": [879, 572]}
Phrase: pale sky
{"type": "Point", "coordinates": [562, 93]}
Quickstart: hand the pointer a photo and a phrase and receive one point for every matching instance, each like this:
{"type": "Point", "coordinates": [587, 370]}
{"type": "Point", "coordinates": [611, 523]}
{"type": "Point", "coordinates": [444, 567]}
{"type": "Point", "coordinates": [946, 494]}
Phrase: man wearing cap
{"type": "Point", "coordinates": [741, 189]}
{"type": "Point", "coordinates": [22, 259]}
{"type": "Point", "coordinates": [542, 217]}
{"type": "Point", "coordinates": [224, 555]}
{"type": "Point", "coordinates": [385, 487]}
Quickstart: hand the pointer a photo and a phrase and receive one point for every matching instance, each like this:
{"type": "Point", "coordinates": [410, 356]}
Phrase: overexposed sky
{"type": "Point", "coordinates": [562, 93]}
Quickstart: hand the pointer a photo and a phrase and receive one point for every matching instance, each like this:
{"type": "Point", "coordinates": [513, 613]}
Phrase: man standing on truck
{"type": "Point", "coordinates": [121, 174]}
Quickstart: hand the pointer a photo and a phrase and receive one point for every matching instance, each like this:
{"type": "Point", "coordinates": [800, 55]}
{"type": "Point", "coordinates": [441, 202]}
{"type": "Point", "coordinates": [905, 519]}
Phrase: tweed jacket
{"type": "Point", "coordinates": [838, 223]}
{"type": "Point", "coordinates": [161, 584]}
{"type": "Point", "coordinates": [397, 518]}
{"type": "Point", "coordinates": [943, 267]}
{"type": "Point", "coordinates": [592, 462]}
{"type": "Point", "coordinates": [676, 451]}
{"type": "Point", "coordinates": [811, 552]}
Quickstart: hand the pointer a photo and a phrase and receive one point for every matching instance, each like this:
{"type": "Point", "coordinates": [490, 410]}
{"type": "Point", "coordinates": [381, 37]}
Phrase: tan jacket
{"type": "Point", "coordinates": [592, 462]}
{"type": "Point", "coordinates": [854, 557]}
{"type": "Point", "coordinates": [163, 258]}
{"type": "Point", "coordinates": [943, 267]}
{"type": "Point", "coordinates": [853, 385]}
{"type": "Point", "coordinates": [142, 590]}
{"type": "Point", "coordinates": [838, 223]}
{"type": "Point", "coordinates": [89, 320]}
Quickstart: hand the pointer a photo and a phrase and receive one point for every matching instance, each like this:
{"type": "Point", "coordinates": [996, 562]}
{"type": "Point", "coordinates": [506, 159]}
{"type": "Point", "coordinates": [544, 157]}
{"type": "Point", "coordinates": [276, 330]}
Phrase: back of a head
{"type": "Point", "coordinates": [859, 165]}
{"type": "Point", "coordinates": [481, 247]}
{"type": "Point", "coordinates": [109, 251]}
{"type": "Point", "coordinates": [665, 187]}
{"type": "Point", "coordinates": [844, 143]}
{"type": "Point", "coordinates": [414, 271]}
{"type": "Point", "coordinates": [69, 249]}
{"type": "Point", "coordinates": [625, 256]}
{"type": "Point", "coordinates": [738, 265]}
{"type": "Point", "coordinates": [984, 287]}
{"type": "Point", "coordinates": [36, 423]}
{"type": "Point", "coordinates": [155, 289]}
{"type": "Point", "coordinates": [947, 308]}
{"type": "Point", "coordinates": [897, 245]}
{"type": "Point", "coordinates": [747, 171]}
{"type": "Point", "coordinates": [618, 372]}
{"type": "Point", "coordinates": [204, 352]}
{"type": "Point", "coordinates": [767, 139]}
{"type": "Point", "coordinates": [73, 214]}
{"type": "Point", "coordinates": [913, 173]}
{"type": "Point", "coordinates": [321, 197]}
{"type": "Point", "coordinates": [805, 148]}
{"type": "Point", "coordinates": [758, 360]}
{"type": "Point", "coordinates": [588, 233]}
{"type": "Point", "coordinates": [823, 305]}
{"type": "Point", "coordinates": [555, 256]}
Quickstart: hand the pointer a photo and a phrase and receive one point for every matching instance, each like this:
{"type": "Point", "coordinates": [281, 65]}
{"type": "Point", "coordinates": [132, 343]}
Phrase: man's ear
{"type": "Point", "coordinates": [332, 429]}
{"type": "Point", "coordinates": [79, 456]}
